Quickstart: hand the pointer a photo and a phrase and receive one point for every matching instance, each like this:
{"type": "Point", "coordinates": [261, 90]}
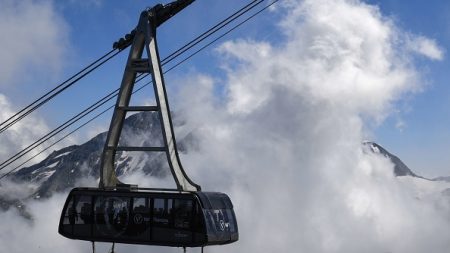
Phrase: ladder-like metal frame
{"type": "Point", "coordinates": [144, 38]}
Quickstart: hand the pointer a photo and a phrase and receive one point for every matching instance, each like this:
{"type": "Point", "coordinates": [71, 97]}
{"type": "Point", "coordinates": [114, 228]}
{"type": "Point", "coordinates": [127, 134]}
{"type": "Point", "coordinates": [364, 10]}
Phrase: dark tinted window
{"type": "Point", "coordinates": [68, 218]}
{"type": "Point", "coordinates": [80, 215]}
{"type": "Point", "coordinates": [83, 209]}
{"type": "Point", "coordinates": [111, 215]}
{"type": "Point", "coordinates": [139, 222]}
{"type": "Point", "coordinates": [162, 212]}
{"type": "Point", "coordinates": [141, 211]}
{"type": "Point", "coordinates": [141, 205]}
{"type": "Point", "coordinates": [69, 215]}
{"type": "Point", "coordinates": [198, 225]}
{"type": "Point", "coordinates": [182, 209]}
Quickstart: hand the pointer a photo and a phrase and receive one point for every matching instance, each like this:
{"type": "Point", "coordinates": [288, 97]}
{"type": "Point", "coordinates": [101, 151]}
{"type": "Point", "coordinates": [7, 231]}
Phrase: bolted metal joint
{"type": "Point", "coordinates": [126, 41]}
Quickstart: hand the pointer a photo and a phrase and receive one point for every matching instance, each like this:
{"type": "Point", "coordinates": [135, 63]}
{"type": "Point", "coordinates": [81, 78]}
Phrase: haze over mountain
{"type": "Point", "coordinates": [63, 168]}
{"type": "Point", "coordinates": [280, 132]}
{"type": "Point", "coordinates": [400, 169]}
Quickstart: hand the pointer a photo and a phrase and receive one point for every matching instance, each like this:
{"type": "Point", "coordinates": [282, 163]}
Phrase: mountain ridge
{"type": "Point", "coordinates": [400, 168]}
{"type": "Point", "coordinates": [61, 169]}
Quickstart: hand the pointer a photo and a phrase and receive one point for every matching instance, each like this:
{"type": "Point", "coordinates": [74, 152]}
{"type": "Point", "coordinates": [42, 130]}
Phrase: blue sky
{"type": "Point", "coordinates": [280, 105]}
{"type": "Point", "coordinates": [424, 142]}
{"type": "Point", "coordinates": [103, 22]}
{"type": "Point", "coordinates": [90, 27]}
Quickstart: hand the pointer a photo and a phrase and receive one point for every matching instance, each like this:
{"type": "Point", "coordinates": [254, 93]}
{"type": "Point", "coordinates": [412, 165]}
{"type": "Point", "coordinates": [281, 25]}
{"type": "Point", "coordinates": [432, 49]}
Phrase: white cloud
{"type": "Point", "coordinates": [34, 40]}
{"type": "Point", "coordinates": [32, 48]}
{"type": "Point", "coordinates": [21, 134]}
{"type": "Point", "coordinates": [426, 47]}
{"type": "Point", "coordinates": [94, 130]}
{"type": "Point", "coordinates": [14, 191]}
{"type": "Point", "coordinates": [285, 142]}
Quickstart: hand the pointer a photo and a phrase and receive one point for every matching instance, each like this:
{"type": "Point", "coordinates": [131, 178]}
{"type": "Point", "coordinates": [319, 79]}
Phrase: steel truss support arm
{"type": "Point", "coordinates": [145, 38]}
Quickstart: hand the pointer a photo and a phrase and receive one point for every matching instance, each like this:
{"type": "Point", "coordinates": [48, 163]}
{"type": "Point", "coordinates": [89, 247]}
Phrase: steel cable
{"type": "Point", "coordinates": [108, 97]}
{"type": "Point", "coordinates": [57, 90]}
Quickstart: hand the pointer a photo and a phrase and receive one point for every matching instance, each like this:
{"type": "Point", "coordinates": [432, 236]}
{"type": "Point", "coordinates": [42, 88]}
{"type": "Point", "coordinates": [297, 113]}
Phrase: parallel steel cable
{"type": "Point", "coordinates": [221, 36]}
{"type": "Point", "coordinates": [57, 130]}
{"type": "Point", "coordinates": [62, 127]}
{"type": "Point", "coordinates": [164, 72]}
{"type": "Point", "coordinates": [36, 104]}
{"type": "Point", "coordinates": [56, 142]}
{"type": "Point", "coordinates": [212, 30]}
{"type": "Point", "coordinates": [63, 86]}
{"type": "Point", "coordinates": [141, 78]}
{"type": "Point", "coordinates": [66, 81]}
{"type": "Point", "coordinates": [70, 133]}
{"type": "Point", "coordinates": [208, 33]}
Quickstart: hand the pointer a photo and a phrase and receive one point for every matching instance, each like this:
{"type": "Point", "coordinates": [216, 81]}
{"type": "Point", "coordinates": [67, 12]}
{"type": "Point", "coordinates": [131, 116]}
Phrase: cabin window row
{"type": "Point", "coordinates": [133, 217]}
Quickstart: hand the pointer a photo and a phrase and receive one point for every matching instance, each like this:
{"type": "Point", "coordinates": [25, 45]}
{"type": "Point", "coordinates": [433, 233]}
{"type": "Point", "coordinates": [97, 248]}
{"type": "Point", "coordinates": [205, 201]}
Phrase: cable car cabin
{"type": "Point", "coordinates": [148, 216]}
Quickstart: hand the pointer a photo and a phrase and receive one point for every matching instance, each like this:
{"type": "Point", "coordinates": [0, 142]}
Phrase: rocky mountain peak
{"type": "Point", "coordinates": [400, 169]}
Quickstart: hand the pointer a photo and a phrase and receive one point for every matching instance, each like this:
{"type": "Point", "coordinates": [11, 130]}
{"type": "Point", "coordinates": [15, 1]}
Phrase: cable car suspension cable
{"type": "Point", "coordinates": [55, 91]}
{"type": "Point", "coordinates": [66, 84]}
{"type": "Point", "coordinates": [100, 103]}
{"type": "Point", "coordinates": [64, 126]}
{"type": "Point", "coordinates": [212, 30]}
{"type": "Point", "coordinates": [207, 34]}
{"type": "Point", "coordinates": [221, 36]}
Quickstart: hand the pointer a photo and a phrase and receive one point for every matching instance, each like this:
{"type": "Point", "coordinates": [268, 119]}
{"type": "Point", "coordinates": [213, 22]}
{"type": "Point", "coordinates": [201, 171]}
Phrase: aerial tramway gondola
{"type": "Point", "coordinates": [123, 213]}
{"type": "Point", "coordinates": [149, 216]}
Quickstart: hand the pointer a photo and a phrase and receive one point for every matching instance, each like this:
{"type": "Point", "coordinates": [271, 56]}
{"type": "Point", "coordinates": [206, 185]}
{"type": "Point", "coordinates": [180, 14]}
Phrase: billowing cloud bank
{"type": "Point", "coordinates": [31, 51]}
{"type": "Point", "coordinates": [285, 142]}
{"type": "Point", "coordinates": [34, 41]}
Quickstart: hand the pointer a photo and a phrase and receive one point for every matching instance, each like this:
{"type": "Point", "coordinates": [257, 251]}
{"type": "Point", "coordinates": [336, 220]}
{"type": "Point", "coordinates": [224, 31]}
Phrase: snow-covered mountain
{"type": "Point", "coordinates": [439, 184]}
{"type": "Point", "coordinates": [62, 168]}
{"type": "Point", "coordinates": [400, 169]}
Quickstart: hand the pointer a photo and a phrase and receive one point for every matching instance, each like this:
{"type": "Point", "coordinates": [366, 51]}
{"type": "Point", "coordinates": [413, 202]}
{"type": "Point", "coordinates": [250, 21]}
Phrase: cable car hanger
{"type": "Point", "coordinates": [123, 213]}
{"type": "Point", "coordinates": [144, 37]}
